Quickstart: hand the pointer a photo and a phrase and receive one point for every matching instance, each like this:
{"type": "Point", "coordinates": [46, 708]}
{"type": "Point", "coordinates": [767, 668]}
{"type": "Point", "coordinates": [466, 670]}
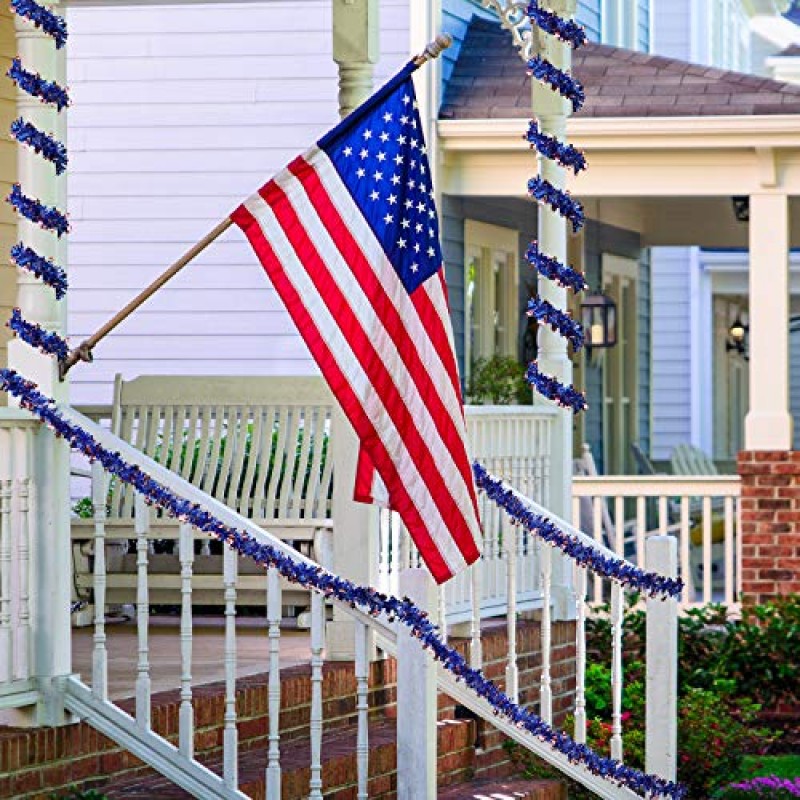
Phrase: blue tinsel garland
{"type": "Point", "coordinates": [552, 269]}
{"type": "Point", "coordinates": [561, 81]}
{"type": "Point", "coordinates": [565, 29]}
{"type": "Point", "coordinates": [28, 259]}
{"type": "Point", "coordinates": [559, 200]}
{"type": "Point", "coordinates": [566, 396]}
{"type": "Point", "coordinates": [616, 569]}
{"type": "Point", "coordinates": [562, 323]}
{"type": "Point", "coordinates": [314, 577]}
{"type": "Point", "coordinates": [43, 18]}
{"type": "Point", "coordinates": [46, 216]}
{"type": "Point", "coordinates": [36, 86]}
{"type": "Point", "coordinates": [36, 336]}
{"type": "Point", "coordinates": [46, 146]}
{"type": "Point", "coordinates": [565, 154]}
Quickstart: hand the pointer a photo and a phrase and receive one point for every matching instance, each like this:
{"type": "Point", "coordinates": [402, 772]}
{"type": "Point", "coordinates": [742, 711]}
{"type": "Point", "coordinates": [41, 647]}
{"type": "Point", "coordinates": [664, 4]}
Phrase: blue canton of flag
{"type": "Point", "coordinates": [384, 164]}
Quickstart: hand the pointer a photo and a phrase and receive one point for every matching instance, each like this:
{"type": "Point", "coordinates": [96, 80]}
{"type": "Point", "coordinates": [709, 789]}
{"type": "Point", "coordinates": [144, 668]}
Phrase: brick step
{"type": "Point", "coordinates": [505, 790]}
{"type": "Point", "coordinates": [456, 763]}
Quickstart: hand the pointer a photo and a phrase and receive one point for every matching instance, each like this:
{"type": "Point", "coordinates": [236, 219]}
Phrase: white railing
{"type": "Point", "coordinates": [16, 579]}
{"type": "Point", "coordinates": [93, 704]}
{"type": "Point", "coordinates": [701, 512]}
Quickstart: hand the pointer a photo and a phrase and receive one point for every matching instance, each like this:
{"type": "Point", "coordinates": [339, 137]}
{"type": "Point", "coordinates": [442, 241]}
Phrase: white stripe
{"type": "Point", "coordinates": [381, 340]}
{"type": "Point", "coordinates": [358, 380]}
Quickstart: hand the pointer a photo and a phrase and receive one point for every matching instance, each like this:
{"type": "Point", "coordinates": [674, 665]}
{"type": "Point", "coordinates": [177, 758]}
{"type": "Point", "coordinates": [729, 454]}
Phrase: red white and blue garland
{"type": "Point", "coordinates": [560, 201]}
{"type": "Point", "coordinates": [52, 150]}
{"type": "Point", "coordinates": [335, 587]}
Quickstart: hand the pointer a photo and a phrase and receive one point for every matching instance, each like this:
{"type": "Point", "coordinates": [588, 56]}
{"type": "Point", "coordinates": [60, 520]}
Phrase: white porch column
{"type": "Point", "coordinates": [768, 425]}
{"type": "Point", "coordinates": [552, 111]}
{"type": "Point", "coordinates": [355, 50]}
{"type": "Point", "coordinates": [50, 545]}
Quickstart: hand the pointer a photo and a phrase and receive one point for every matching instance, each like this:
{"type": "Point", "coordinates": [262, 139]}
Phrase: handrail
{"type": "Point", "coordinates": [180, 498]}
{"type": "Point", "coordinates": [656, 485]}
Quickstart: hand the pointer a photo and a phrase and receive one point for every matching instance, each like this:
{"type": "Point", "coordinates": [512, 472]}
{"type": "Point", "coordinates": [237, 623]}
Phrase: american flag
{"type": "Point", "coordinates": [349, 236]}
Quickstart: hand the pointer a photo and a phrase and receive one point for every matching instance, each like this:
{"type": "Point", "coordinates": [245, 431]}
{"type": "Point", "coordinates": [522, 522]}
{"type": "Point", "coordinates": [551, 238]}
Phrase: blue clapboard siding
{"type": "Point", "coordinates": [456, 15]}
{"type": "Point", "coordinates": [671, 29]}
{"type": "Point", "coordinates": [643, 34]}
{"type": "Point", "coordinates": [645, 343]}
{"type": "Point", "coordinates": [589, 15]}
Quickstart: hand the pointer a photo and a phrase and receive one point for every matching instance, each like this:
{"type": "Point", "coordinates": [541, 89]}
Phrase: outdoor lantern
{"type": "Point", "coordinates": [599, 320]}
{"type": "Point", "coordinates": [737, 337]}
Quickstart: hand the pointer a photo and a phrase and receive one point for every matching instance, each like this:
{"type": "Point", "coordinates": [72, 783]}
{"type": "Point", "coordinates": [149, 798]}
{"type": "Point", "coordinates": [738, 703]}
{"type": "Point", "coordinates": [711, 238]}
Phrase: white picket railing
{"type": "Point", "coordinates": [17, 501]}
{"type": "Point", "coordinates": [701, 512]}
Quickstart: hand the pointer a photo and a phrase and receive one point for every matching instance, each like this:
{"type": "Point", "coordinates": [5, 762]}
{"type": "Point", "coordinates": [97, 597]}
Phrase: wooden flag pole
{"type": "Point", "coordinates": [83, 352]}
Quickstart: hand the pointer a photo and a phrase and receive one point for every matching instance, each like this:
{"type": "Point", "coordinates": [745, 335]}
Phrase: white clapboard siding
{"type": "Point", "coordinates": [179, 113]}
{"type": "Point", "coordinates": [671, 344]}
{"type": "Point", "coordinates": [671, 28]}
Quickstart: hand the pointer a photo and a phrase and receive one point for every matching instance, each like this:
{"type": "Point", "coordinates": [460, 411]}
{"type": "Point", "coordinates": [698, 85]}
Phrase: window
{"type": "Point", "coordinates": [492, 297]}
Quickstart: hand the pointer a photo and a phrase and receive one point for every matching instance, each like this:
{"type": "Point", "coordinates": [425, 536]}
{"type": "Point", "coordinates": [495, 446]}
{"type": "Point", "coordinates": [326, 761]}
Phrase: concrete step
{"type": "Point", "coordinates": [456, 763]}
{"type": "Point", "coordinates": [505, 790]}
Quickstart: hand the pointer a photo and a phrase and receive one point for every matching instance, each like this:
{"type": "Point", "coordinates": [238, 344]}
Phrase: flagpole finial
{"type": "Point", "coordinates": [434, 49]}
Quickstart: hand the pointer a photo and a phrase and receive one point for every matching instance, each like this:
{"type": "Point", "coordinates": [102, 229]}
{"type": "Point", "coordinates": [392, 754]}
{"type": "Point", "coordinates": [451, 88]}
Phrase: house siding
{"type": "Point", "coordinates": [589, 15]}
{"type": "Point", "coordinates": [671, 348]}
{"type": "Point", "coordinates": [456, 15]}
{"type": "Point", "coordinates": [179, 113]}
{"type": "Point", "coordinates": [672, 30]}
{"type": "Point", "coordinates": [8, 170]}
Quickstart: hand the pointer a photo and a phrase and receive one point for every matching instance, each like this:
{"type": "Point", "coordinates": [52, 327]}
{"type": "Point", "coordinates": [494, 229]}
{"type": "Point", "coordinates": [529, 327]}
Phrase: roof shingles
{"type": "Point", "coordinates": [489, 81]}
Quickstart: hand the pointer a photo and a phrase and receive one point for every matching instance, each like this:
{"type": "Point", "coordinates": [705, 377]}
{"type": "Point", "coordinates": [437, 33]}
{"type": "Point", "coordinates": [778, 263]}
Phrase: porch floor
{"type": "Point", "coordinates": [208, 648]}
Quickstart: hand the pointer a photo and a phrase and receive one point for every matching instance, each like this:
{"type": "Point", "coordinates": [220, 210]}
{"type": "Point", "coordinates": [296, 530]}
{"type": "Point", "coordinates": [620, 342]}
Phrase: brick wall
{"type": "Point", "coordinates": [770, 523]}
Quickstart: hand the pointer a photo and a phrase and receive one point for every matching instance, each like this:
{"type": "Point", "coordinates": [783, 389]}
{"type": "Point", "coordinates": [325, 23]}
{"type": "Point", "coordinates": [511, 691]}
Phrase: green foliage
{"type": "Point", "coordinates": [78, 794]}
{"type": "Point", "coordinates": [784, 766]}
{"type": "Point", "coordinates": [499, 380]}
{"type": "Point", "coordinates": [84, 508]}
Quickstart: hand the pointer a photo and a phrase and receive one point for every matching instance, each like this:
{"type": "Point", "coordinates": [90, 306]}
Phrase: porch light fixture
{"type": "Point", "coordinates": [737, 337]}
{"type": "Point", "coordinates": [741, 208]}
{"type": "Point", "coordinates": [599, 320]}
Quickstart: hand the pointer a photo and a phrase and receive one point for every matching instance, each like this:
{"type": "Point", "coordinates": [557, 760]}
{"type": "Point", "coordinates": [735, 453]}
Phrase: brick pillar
{"type": "Point", "coordinates": [770, 523]}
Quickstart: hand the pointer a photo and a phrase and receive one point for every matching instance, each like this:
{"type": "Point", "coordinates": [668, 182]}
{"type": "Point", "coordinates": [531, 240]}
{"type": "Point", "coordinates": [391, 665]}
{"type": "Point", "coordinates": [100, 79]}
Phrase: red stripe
{"type": "Point", "coordinates": [371, 362]}
{"type": "Point", "coordinates": [387, 312]}
{"type": "Point", "coordinates": [339, 384]}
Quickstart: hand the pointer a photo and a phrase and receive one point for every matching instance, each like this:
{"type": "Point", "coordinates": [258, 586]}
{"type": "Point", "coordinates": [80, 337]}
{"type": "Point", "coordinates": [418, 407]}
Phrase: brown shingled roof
{"type": "Point", "coordinates": [489, 81]}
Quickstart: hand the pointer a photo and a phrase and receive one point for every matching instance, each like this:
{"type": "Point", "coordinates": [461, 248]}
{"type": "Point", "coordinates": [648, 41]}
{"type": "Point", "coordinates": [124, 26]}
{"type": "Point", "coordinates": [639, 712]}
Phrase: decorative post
{"type": "Point", "coordinates": [355, 50]}
{"type": "Point", "coordinates": [38, 321]}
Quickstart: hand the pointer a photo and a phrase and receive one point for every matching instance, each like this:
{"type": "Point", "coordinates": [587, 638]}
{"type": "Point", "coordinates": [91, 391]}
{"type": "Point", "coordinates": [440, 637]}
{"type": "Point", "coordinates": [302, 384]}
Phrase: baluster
{"type": "Point", "coordinates": [619, 526]}
{"type": "Point", "coordinates": [274, 688]}
{"type": "Point", "coordinates": [23, 561]}
{"type": "Point", "coordinates": [99, 655]}
{"type": "Point", "coordinates": [580, 654]}
{"type": "Point", "coordinates": [641, 527]}
{"type": "Point", "coordinates": [442, 597]}
{"type": "Point", "coordinates": [317, 645]}
{"type": "Point", "coordinates": [686, 563]}
{"type": "Point", "coordinates": [617, 611]}
{"type": "Point", "coordinates": [512, 672]}
{"type": "Point", "coordinates": [142, 527]}
{"type": "Point", "coordinates": [362, 709]}
{"type": "Point", "coordinates": [230, 742]}
{"type": "Point", "coordinates": [5, 581]}
{"type": "Point", "coordinates": [476, 647]}
{"type": "Point", "coordinates": [597, 532]}
{"type": "Point", "coordinates": [546, 695]}
{"type": "Point", "coordinates": [708, 571]}
{"type": "Point", "coordinates": [728, 545]}
{"type": "Point", "coordinates": [186, 714]}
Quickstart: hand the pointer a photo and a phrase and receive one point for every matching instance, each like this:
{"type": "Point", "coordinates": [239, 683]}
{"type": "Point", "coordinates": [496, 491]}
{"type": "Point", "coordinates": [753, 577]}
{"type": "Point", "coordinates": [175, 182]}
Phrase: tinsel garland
{"type": "Point", "coordinates": [46, 216]}
{"type": "Point", "coordinates": [43, 18]}
{"type": "Point", "coordinates": [616, 569]}
{"type": "Point", "coordinates": [36, 86]}
{"type": "Point", "coordinates": [565, 29]}
{"type": "Point", "coordinates": [565, 154]}
{"type": "Point", "coordinates": [544, 311]}
{"type": "Point", "coordinates": [335, 587]}
{"type": "Point", "coordinates": [36, 336]}
{"type": "Point", "coordinates": [552, 269]}
{"type": "Point", "coordinates": [552, 389]}
{"type": "Point", "coordinates": [54, 276]}
{"type": "Point", "coordinates": [46, 146]}
{"type": "Point", "coordinates": [559, 80]}
{"type": "Point", "coordinates": [560, 201]}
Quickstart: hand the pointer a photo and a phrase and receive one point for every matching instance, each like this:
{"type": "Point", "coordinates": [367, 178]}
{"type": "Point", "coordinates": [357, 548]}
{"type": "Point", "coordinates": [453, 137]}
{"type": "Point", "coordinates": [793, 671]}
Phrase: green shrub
{"type": "Point", "coordinates": [499, 380]}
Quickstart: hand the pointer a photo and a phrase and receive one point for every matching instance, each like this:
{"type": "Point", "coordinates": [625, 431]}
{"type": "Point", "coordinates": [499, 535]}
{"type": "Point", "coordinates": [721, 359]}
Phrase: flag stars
{"type": "Point", "coordinates": [414, 144]}
{"type": "Point", "coordinates": [384, 137]}
{"type": "Point", "coordinates": [404, 120]}
{"type": "Point", "coordinates": [361, 172]}
{"type": "Point", "coordinates": [431, 252]}
{"type": "Point", "coordinates": [412, 183]}
{"type": "Point", "coordinates": [420, 207]}
{"type": "Point", "coordinates": [395, 179]}
{"type": "Point", "coordinates": [415, 267]}
{"type": "Point", "coordinates": [381, 157]}
{"type": "Point", "coordinates": [416, 247]}
{"type": "Point", "coordinates": [378, 175]}
{"type": "Point", "coordinates": [348, 151]}
{"type": "Point", "coordinates": [387, 117]}
{"type": "Point", "coordinates": [402, 139]}
{"type": "Point", "coordinates": [409, 204]}
{"type": "Point", "coordinates": [418, 227]}
{"type": "Point", "coordinates": [388, 219]}
{"type": "Point", "coordinates": [398, 159]}
{"type": "Point", "coordinates": [405, 223]}
{"type": "Point", "coordinates": [401, 243]}
{"type": "Point", "coordinates": [406, 99]}
{"type": "Point", "coordinates": [392, 199]}
{"type": "Point", "coordinates": [364, 153]}
{"type": "Point", "coordinates": [374, 196]}
{"type": "Point", "coordinates": [367, 134]}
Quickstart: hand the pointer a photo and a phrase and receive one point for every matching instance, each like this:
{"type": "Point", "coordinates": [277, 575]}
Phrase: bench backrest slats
{"type": "Point", "coordinates": [260, 445]}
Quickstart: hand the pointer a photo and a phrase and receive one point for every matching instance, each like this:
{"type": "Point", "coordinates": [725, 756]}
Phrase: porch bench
{"type": "Point", "coordinates": [261, 445]}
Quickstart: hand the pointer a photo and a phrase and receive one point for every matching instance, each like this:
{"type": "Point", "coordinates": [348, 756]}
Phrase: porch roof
{"type": "Point", "coordinates": [489, 82]}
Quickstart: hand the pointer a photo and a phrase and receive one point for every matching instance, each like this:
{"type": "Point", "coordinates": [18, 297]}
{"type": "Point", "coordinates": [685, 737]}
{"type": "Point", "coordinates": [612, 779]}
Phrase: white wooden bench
{"type": "Point", "coordinates": [260, 445]}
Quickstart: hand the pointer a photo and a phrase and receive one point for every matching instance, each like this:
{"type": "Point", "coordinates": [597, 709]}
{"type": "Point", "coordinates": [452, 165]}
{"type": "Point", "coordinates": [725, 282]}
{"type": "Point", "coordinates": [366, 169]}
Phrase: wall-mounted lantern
{"type": "Point", "coordinates": [738, 335]}
{"type": "Point", "coordinates": [741, 208]}
{"type": "Point", "coordinates": [599, 320]}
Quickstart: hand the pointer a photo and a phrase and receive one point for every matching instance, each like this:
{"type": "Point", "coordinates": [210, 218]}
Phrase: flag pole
{"type": "Point", "coordinates": [83, 352]}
